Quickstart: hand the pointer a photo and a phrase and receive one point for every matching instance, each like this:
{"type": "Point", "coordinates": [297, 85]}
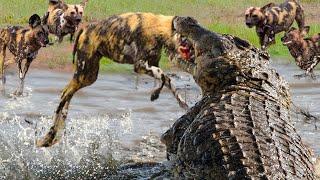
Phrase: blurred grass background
{"type": "Point", "coordinates": [222, 16]}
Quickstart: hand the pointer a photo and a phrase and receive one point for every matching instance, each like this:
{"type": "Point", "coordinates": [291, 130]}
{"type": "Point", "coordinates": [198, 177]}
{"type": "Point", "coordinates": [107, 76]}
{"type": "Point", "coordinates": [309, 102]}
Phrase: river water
{"type": "Point", "coordinates": [112, 128]}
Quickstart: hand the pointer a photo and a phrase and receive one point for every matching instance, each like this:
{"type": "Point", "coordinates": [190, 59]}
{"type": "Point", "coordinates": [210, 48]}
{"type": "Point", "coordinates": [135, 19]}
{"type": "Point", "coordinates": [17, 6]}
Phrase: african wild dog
{"type": "Point", "coordinates": [272, 19]}
{"type": "Point", "coordinates": [306, 51]}
{"type": "Point", "coordinates": [64, 18]}
{"type": "Point", "coordinates": [23, 43]}
{"type": "Point", "coordinates": [131, 38]}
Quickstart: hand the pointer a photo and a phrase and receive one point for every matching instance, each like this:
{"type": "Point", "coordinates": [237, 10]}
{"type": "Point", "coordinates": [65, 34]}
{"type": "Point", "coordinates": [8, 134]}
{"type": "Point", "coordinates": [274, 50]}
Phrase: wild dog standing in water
{"type": "Point", "coordinates": [131, 38]}
{"type": "Point", "coordinates": [306, 51]}
{"type": "Point", "coordinates": [64, 18]}
{"type": "Point", "coordinates": [23, 44]}
{"type": "Point", "coordinates": [272, 19]}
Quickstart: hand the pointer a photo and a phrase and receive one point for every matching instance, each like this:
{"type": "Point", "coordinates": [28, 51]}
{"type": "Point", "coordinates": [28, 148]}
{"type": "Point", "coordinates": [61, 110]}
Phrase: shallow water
{"type": "Point", "coordinates": [110, 126]}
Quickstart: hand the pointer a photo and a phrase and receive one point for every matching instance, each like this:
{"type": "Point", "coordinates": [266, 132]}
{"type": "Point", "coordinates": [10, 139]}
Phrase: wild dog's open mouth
{"type": "Point", "coordinates": [185, 47]}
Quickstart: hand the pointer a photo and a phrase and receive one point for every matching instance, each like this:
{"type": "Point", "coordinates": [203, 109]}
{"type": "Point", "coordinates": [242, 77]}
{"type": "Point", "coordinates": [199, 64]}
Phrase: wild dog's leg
{"type": "Point", "coordinates": [309, 71]}
{"type": "Point", "coordinates": [22, 75]}
{"type": "Point", "coordinates": [300, 18]}
{"type": "Point", "coordinates": [169, 84]}
{"type": "Point", "coordinates": [261, 36]}
{"type": "Point", "coordinates": [145, 68]}
{"type": "Point", "coordinates": [2, 75]}
{"type": "Point", "coordinates": [71, 37]}
{"type": "Point", "coordinates": [268, 37]}
{"type": "Point", "coordinates": [7, 63]}
{"type": "Point", "coordinates": [85, 74]}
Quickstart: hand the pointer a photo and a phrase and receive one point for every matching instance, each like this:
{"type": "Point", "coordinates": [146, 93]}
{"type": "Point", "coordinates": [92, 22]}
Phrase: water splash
{"type": "Point", "coordinates": [88, 148]}
{"type": "Point", "coordinates": [20, 102]}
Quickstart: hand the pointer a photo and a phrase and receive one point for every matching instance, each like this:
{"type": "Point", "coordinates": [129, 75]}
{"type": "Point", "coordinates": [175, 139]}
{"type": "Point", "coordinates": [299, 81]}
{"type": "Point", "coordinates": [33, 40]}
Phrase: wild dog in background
{"type": "Point", "coordinates": [272, 19]}
{"type": "Point", "coordinates": [131, 38]}
{"type": "Point", "coordinates": [306, 51]}
{"type": "Point", "coordinates": [23, 43]}
{"type": "Point", "coordinates": [64, 18]}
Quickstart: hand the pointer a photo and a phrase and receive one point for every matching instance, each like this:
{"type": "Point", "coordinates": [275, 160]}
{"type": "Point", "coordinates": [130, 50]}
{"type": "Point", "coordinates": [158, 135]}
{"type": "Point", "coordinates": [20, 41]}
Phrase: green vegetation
{"type": "Point", "coordinates": [223, 16]}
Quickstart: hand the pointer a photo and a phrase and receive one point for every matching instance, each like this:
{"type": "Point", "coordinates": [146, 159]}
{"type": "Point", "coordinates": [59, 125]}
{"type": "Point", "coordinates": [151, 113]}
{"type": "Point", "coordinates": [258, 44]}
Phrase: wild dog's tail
{"type": "Point", "coordinates": [75, 47]}
{"type": "Point", "coordinates": [181, 100]}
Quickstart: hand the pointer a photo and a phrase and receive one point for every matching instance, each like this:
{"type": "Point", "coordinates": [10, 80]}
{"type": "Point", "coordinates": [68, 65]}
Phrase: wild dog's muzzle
{"type": "Point", "coordinates": [285, 41]}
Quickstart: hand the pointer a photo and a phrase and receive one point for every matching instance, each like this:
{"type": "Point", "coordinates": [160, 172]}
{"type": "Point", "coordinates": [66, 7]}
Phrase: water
{"type": "Point", "coordinates": [113, 128]}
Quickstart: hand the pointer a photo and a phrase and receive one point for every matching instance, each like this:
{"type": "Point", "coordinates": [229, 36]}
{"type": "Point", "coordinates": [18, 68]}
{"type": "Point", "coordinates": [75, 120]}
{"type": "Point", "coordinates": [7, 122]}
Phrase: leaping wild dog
{"type": "Point", "coordinates": [272, 19]}
{"type": "Point", "coordinates": [23, 43]}
{"type": "Point", "coordinates": [131, 38]}
{"type": "Point", "coordinates": [64, 18]}
{"type": "Point", "coordinates": [305, 51]}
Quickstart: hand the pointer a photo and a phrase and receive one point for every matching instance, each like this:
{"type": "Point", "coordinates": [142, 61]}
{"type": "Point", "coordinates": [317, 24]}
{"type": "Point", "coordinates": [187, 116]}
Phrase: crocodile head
{"type": "Point", "coordinates": [202, 54]}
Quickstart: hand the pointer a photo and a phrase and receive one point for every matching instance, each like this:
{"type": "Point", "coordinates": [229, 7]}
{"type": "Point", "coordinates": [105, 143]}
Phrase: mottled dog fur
{"type": "Point", "coordinates": [272, 19]}
{"type": "Point", "coordinates": [23, 43]}
{"type": "Point", "coordinates": [306, 51]}
{"type": "Point", "coordinates": [131, 38]}
{"type": "Point", "coordinates": [64, 18]}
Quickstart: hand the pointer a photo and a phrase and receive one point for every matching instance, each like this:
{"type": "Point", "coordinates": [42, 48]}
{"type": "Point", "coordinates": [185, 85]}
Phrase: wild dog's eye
{"type": "Point", "coordinates": [255, 16]}
{"type": "Point", "coordinates": [80, 13]}
{"type": "Point", "coordinates": [72, 13]}
{"type": "Point", "coordinates": [247, 15]}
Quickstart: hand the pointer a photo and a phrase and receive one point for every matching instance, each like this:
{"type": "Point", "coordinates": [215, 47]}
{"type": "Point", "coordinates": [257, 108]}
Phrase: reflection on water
{"type": "Point", "coordinates": [111, 125]}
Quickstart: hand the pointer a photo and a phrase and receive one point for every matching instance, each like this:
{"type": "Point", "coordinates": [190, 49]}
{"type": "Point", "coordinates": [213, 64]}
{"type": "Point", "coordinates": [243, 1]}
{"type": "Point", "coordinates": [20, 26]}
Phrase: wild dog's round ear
{"type": "Point", "coordinates": [292, 29]}
{"type": "Point", "coordinates": [305, 30]}
{"type": "Point", "coordinates": [83, 3]}
{"type": "Point", "coordinates": [64, 6]}
{"type": "Point", "coordinates": [34, 21]}
{"type": "Point", "coordinates": [45, 18]}
{"type": "Point", "coordinates": [266, 7]}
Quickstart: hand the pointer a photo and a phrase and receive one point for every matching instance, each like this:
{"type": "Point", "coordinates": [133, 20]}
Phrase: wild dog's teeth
{"type": "Point", "coordinates": [289, 42]}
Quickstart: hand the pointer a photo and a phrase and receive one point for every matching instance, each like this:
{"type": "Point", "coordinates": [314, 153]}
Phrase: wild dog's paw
{"type": "Point", "coordinates": [155, 95]}
{"type": "Point", "coordinates": [48, 140]}
{"type": "Point", "coordinates": [53, 136]}
{"type": "Point", "coordinates": [18, 92]}
{"type": "Point", "coordinates": [311, 75]}
{"type": "Point", "coordinates": [56, 131]}
{"type": "Point", "coordinates": [183, 105]}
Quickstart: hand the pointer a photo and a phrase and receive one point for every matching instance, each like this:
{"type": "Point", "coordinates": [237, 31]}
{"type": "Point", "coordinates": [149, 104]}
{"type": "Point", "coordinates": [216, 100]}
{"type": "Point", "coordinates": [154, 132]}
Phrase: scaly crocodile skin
{"type": "Point", "coordinates": [241, 128]}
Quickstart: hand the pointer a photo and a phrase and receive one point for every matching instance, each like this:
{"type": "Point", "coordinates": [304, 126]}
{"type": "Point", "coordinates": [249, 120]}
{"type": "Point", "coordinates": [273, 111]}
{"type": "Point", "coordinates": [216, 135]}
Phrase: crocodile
{"type": "Point", "coordinates": [241, 128]}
